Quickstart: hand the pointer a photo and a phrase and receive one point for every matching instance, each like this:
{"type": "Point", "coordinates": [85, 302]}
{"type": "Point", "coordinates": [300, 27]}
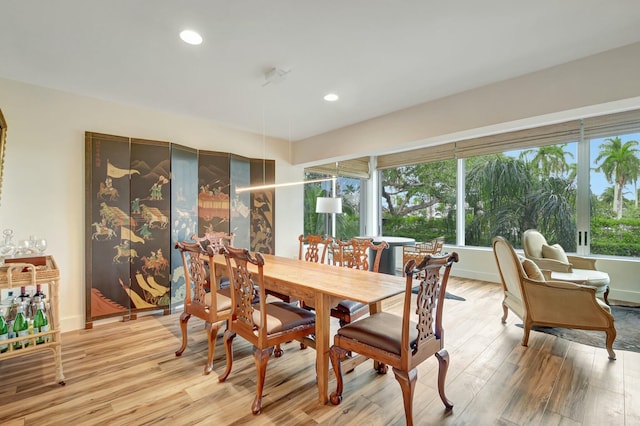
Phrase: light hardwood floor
{"type": "Point", "coordinates": [126, 373]}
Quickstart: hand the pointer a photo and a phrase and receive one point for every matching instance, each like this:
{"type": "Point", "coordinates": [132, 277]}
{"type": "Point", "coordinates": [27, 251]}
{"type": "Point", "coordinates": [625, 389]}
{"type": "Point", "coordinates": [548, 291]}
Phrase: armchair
{"type": "Point", "coordinates": [418, 251]}
{"type": "Point", "coordinates": [548, 303]}
{"type": "Point", "coordinates": [577, 269]}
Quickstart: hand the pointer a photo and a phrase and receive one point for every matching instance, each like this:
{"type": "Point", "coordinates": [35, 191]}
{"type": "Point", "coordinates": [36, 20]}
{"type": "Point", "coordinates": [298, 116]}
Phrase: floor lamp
{"type": "Point", "coordinates": [330, 205]}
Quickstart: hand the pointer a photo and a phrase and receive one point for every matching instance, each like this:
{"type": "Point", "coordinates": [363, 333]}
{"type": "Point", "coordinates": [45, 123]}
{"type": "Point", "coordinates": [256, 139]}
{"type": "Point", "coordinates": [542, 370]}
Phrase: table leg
{"type": "Point", "coordinates": [323, 316]}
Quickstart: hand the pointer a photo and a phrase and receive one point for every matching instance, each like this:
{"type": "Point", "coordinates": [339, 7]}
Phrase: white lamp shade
{"type": "Point", "coordinates": [328, 205]}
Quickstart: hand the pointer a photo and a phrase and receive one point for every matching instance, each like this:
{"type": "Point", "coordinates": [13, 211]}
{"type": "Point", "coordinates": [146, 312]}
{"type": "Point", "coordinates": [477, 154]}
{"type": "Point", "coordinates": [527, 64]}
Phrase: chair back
{"type": "Point", "coordinates": [244, 285]}
{"type": "Point", "coordinates": [532, 242]}
{"type": "Point", "coordinates": [432, 273]}
{"type": "Point", "coordinates": [197, 300]}
{"type": "Point", "coordinates": [510, 268]}
{"type": "Point", "coordinates": [215, 240]}
{"type": "Point", "coordinates": [314, 252]}
{"type": "Point", "coordinates": [355, 253]}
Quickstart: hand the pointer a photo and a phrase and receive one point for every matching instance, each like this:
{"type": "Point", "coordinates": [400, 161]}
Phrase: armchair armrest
{"type": "Point", "coordinates": [582, 262]}
{"type": "Point", "coordinates": [551, 264]}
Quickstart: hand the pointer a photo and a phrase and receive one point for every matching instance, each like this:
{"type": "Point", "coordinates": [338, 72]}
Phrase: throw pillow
{"type": "Point", "coordinates": [532, 270]}
{"type": "Point", "coordinates": [555, 252]}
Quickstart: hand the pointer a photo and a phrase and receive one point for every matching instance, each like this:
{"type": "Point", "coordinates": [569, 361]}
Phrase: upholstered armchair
{"type": "Point", "coordinates": [552, 258]}
{"type": "Point", "coordinates": [548, 303]}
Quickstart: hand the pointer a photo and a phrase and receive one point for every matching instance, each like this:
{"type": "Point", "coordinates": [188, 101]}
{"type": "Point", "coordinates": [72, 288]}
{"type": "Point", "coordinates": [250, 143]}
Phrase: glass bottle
{"type": "Point", "coordinates": [4, 332]}
{"type": "Point", "coordinates": [40, 322]}
{"type": "Point", "coordinates": [21, 328]}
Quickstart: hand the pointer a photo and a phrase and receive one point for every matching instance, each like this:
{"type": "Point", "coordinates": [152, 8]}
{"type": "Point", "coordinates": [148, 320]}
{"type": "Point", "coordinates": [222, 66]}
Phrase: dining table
{"type": "Point", "coordinates": [322, 286]}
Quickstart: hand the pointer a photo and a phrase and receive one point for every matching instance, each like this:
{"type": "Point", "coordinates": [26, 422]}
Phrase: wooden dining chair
{"type": "Point", "coordinates": [215, 241]}
{"type": "Point", "coordinates": [212, 307]}
{"type": "Point", "coordinates": [316, 249]}
{"type": "Point", "coordinates": [403, 342]}
{"type": "Point", "coordinates": [262, 324]}
{"type": "Point", "coordinates": [358, 258]}
{"type": "Point", "coordinates": [419, 250]}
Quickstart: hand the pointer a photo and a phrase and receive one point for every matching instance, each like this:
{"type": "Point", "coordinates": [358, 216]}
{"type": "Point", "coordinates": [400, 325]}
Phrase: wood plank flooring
{"type": "Point", "coordinates": [126, 373]}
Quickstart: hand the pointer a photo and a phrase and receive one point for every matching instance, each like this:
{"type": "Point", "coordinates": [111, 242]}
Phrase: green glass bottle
{"type": "Point", "coordinates": [4, 333]}
{"type": "Point", "coordinates": [40, 322]}
{"type": "Point", "coordinates": [21, 328]}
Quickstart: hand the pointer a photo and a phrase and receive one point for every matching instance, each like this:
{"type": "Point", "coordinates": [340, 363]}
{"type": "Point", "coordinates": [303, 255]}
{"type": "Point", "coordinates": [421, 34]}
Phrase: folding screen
{"type": "Point", "coordinates": [184, 211]}
{"type": "Point", "coordinates": [263, 172]}
{"type": "Point", "coordinates": [144, 196]}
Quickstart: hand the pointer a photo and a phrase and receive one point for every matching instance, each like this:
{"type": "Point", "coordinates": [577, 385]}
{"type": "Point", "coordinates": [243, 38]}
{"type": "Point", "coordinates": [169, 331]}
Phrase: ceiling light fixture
{"type": "Point", "coordinates": [191, 37]}
{"type": "Point", "coordinates": [331, 97]}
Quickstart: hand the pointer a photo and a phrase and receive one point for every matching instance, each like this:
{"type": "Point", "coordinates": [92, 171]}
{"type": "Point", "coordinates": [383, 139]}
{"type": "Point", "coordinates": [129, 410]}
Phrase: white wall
{"type": "Point", "coordinates": [43, 181]}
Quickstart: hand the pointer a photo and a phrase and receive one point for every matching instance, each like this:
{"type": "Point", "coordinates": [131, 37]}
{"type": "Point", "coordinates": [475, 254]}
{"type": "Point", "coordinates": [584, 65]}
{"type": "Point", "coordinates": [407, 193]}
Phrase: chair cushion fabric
{"type": "Point", "coordinates": [531, 269]}
{"type": "Point", "coordinates": [382, 330]}
{"type": "Point", "coordinates": [555, 252]}
{"type": "Point", "coordinates": [223, 299]}
{"type": "Point", "coordinates": [349, 306]}
{"type": "Point", "coordinates": [282, 316]}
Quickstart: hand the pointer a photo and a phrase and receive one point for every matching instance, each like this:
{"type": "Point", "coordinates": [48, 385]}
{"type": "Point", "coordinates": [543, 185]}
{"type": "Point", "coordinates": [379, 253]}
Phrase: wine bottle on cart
{"type": "Point", "coordinates": [40, 322]}
{"type": "Point", "coordinates": [4, 333]}
{"type": "Point", "coordinates": [21, 328]}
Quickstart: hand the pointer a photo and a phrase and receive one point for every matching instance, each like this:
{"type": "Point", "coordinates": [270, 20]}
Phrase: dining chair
{"type": "Point", "coordinates": [419, 250]}
{"type": "Point", "coordinates": [262, 324]}
{"type": "Point", "coordinates": [316, 249]}
{"type": "Point", "coordinates": [216, 240]}
{"type": "Point", "coordinates": [212, 307]}
{"type": "Point", "coordinates": [358, 258]}
{"type": "Point", "coordinates": [403, 341]}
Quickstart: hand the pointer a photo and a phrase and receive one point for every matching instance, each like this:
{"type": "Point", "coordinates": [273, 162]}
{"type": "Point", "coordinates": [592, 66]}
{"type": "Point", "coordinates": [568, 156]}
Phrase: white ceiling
{"type": "Point", "coordinates": [378, 55]}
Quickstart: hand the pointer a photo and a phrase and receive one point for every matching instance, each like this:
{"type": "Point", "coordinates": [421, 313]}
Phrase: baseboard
{"type": "Point", "coordinates": [624, 295]}
{"type": "Point", "coordinates": [475, 275]}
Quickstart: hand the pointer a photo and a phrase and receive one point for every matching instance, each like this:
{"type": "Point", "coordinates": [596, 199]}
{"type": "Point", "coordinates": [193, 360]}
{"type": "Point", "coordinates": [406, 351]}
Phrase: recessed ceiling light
{"type": "Point", "coordinates": [191, 37]}
{"type": "Point", "coordinates": [331, 97]}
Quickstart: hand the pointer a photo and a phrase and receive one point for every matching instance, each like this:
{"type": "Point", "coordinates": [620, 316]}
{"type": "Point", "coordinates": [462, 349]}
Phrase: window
{"type": "Point", "coordinates": [615, 216]}
{"type": "Point", "coordinates": [347, 223]}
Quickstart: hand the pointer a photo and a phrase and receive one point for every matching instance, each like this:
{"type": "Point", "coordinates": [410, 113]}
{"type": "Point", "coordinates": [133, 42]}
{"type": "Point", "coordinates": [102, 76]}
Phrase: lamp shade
{"type": "Point", "coordinates": [328, 205]}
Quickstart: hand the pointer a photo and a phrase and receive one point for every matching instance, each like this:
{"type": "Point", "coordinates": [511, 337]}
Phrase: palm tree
{"type": "Point", "coordinates": [620, 165]}
{"type": "Point", "coordinates": [551, 160]}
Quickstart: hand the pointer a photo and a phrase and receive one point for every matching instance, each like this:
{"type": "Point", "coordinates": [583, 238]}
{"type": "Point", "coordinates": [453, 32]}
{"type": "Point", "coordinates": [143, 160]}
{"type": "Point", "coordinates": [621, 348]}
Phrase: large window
{"type": "Point", "coordinates": [420, 201]}
{"type": "Point", "coordinates": [511, 192]}
{"type": "Point", "coordinates": [576, 182]}
{"type": "Point", "coordinates": [615, 214]}
{"type": "Point", "coordinates": [347, 223]}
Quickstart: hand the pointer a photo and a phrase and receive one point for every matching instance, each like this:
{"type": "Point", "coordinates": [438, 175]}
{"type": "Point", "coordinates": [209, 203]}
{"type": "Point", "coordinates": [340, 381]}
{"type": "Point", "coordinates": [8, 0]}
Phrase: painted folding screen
{"type": "Point", "coordinates": [127, 226]}
{"type": "Point", "coordinates": [213, 192]}
{"type": "Point", "coordinates": [263, 172]}
{"type": "Point", "coordinates": [184, 211]}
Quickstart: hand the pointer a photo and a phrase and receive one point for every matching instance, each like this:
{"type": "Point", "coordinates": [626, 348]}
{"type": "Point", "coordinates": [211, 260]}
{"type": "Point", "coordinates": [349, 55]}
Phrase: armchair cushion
{"type": "Point", "coordinates": [555, 252]}
{"type": "Point", "coordinates": [531, 269]}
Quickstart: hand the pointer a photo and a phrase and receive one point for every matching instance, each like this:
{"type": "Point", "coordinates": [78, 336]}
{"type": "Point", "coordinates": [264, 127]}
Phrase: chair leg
{"type": "Point", "coordinates": [605, 296]}
{"type": "Point", "coordinates": [212, 333]}
{"type": "Point", "coordinates": [611, 336]}
{"type": "Point", "coordinates": [505, 311]}
{"type": "Point", "coordinates": [337, 354]}
{"type": "Point", "coordinates": [443, 365]}
{"type": "Point", "coordinates": [527, 329]}
{"type": "Point", "coordinates": [407, 380]}
{"type": "Point", "coordinates": [261, 357]}
{"type": "Point", "coordinates": [184, 319]}
{"type": "Point", "coordinates": [228, 341]}
{"type": "Point", "coordinates": [278, 352]}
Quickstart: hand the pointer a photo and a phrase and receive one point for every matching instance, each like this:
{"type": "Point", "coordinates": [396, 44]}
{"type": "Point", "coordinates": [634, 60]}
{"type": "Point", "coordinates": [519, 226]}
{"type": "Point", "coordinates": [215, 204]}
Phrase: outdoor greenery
{"type": "Point", "coordinates": [505, 195]}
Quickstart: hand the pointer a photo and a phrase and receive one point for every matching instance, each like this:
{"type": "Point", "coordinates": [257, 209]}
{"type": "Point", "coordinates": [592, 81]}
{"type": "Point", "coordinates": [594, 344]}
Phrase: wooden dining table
{"type": "Point", "coordinates": [323, 286]}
